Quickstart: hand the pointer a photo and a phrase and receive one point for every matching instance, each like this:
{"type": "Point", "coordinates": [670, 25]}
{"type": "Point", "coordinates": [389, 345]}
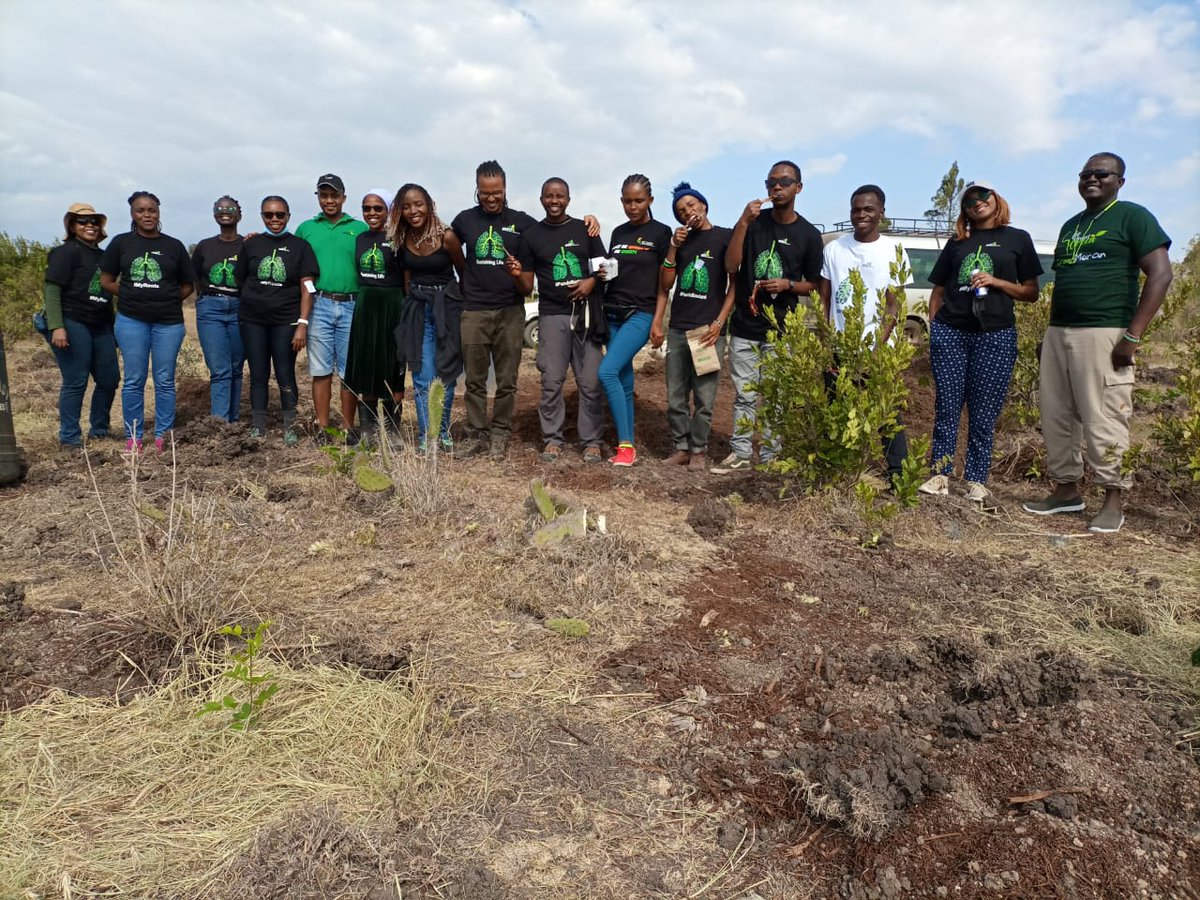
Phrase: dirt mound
{"type": "Point", "coordinates": [12, 602]}
{"type": "Point", "coordinates": [711, 517]}
{"type": "Point", "coordinates": [863, 780]}
{"type": "Point", "coordinates": [208, 441]}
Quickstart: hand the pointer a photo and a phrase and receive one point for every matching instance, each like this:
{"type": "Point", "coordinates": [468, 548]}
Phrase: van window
{"type": "Point", "coordinates": [922, 264]}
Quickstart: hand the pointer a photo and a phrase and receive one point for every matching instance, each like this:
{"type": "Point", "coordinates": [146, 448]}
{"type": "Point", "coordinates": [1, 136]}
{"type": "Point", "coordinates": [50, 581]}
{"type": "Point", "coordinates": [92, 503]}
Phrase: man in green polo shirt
{"type": "Point", "coordinates": [331, 234]}
{"type": "Point", "coordinates": [1097, 318]}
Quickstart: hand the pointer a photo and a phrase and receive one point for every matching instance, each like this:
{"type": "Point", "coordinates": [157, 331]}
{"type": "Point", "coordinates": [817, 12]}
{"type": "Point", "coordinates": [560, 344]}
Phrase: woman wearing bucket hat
{"type": "Point", "coordinates": [152, 274]}
{"type": "Point", "coordinates": [79, 323]}
{"type": "Point", "coordinates": [371, 369]}
{"type": "Point", "coordinates": [973, 334]}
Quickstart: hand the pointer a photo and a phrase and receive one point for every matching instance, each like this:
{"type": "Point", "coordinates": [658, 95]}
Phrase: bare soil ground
{"type": "Point", "coordinates": [988, 705]}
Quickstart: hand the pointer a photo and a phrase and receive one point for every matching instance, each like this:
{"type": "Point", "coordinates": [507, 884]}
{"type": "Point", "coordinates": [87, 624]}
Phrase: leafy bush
{"type": "Point", "coordinates": [1178, 433]}
{"type": "Point", "coordinates": [22, 274]}
{"type": "Point", "coordinates": [829, 395]}
{"type": "Point", "coordinates": [1021, 410]}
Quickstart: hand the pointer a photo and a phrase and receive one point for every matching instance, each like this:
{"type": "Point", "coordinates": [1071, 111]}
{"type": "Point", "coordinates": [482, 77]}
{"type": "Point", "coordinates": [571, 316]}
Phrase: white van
{"type": "Point", "coordinates": [923, 243]}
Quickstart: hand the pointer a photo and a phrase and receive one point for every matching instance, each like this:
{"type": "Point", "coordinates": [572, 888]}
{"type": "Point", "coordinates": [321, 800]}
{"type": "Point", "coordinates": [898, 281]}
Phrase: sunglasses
{"type": "Point", "coordinates": [271, 214]}
{"type": "Point", "coordinates": [975, 199]}
{"type": "Point", "coordinates": [227, 210]}
{"type": "Point", "coordinates": [786, 182]}
{"type": "Point", "coordinates": [87, 220]}
{"type": "Point", "coordinates": [1098, 174]}
{"type": "Point", "coordinates": [367, 208]}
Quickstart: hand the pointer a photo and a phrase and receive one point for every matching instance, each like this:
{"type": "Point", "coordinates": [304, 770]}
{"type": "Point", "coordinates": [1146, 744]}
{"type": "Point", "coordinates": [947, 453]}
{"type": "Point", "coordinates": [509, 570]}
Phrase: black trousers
{"type": "Point", "coordinates": [267, 346]}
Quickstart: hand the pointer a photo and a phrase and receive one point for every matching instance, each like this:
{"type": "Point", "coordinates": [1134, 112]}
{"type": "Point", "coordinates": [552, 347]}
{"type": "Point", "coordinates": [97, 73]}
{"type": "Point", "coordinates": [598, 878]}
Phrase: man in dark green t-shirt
{"type": "Point", "coordinates": [1097, 318]}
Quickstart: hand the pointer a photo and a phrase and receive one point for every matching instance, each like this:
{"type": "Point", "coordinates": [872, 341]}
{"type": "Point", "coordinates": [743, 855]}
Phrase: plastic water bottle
{"type": "Point", "coordinates": [979, 291]}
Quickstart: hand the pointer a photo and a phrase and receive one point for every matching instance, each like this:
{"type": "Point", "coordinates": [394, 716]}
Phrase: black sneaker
{"type": "Point", "coordinates": [471, 447]}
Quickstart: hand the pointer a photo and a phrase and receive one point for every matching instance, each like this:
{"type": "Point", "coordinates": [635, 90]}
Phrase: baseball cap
{"type": "Point", "coordinates": [981, 185]}
{"type": "Point", "coordinates": [331, 181]}
{"type": "Point", "coordinates": [82, 209]}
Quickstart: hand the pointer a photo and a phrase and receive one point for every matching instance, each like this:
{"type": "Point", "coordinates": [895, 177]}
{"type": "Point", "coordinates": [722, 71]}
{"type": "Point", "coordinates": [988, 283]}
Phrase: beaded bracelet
{"type": "Point", "coordinates": [1129, 337]}
{"type": "Point", "coordinates": [667, 264]}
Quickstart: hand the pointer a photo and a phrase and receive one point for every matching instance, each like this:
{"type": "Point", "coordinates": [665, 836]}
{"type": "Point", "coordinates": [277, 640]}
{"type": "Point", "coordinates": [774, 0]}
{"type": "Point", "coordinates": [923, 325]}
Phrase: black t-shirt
{"type": "Point", "coordinates": [772, 250]}
{"type": "Point", "coordinates": [558, 256]}
{"type": "Point", "coordinates": [75, 267]}
{"type": "Point", "coordinates": [378, 265]}
{"type": "Point", "coordinates": [269, 269]}
{"type": "Point", "coordinates": [435, 269]}
{"type": "Point", "coordinates": [639, 251]}
{"type": "Point", "coordinates": [486, 239]}
{"type": "Point", "coordinates": [700, 278]}
{"type": "Point", "coordinates": [214, 261]}
{"type": "Point", "coordinates": [150, 272]}
{"type": "Point", "coordinates": [1005, 252]}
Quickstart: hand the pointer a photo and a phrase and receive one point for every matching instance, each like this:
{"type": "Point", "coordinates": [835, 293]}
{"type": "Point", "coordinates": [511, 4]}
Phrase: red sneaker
{"type": "Point", "coordinates": [626, 456]}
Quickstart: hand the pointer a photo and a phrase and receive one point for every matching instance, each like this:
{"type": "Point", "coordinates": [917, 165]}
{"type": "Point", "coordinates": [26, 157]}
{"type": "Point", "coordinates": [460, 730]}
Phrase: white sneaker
{"type": "Point", "coordinates": [939, 485]}
{"type": "Point", "coordinates": [976, 492]}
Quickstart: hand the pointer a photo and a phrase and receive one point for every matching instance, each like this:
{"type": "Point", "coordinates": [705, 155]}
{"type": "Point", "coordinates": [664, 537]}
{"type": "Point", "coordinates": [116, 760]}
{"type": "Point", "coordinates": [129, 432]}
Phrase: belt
{"type": "Point", "coordinates": [337, 298]}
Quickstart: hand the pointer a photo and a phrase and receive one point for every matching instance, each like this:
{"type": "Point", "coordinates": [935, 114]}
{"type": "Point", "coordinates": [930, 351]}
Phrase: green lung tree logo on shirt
{"type": "Point", "coordinates": [371, 262]}
{"type": "Point", "coordinates": [768, 264]}
{"type": "Point", "coordinates": [977, 260]}
{"type": "Point", "coordinates": [695, 278]}
{"type": "Point", "coordinates": [566, 265]}
{"type": "Point", "coordinates": [145, 268]}
{"type": "Point", "coordinates": [271, 268]}
{"type": "Point", "coordinates": [490, 244]}
{"type": "Point", "coordinates": [94, 284]}
{"type": "Point", "coordinates": [221, 275]}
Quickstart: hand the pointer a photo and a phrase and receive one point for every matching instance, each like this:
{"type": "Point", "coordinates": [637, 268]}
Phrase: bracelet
{"type": "Point", "coordinates": [302, 321]}
{"type": "Point", "coordinates": [1129, 337]}
{"type": "Point", "coordinates": [667, 264]}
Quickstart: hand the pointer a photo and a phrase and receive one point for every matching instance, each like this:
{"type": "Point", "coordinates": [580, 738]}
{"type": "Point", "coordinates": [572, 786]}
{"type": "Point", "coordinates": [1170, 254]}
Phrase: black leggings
{"type": "Point", "coordinates": [264, 345]}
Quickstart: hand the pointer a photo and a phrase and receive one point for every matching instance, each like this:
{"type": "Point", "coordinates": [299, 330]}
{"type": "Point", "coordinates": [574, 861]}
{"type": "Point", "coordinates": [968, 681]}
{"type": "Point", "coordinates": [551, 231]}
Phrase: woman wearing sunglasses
{"type": "Point", "coordinates": [371, 370]}
{"type": "Point", "coordinates": [79, 319]}
{"type": "Point", "coordinates": [214, 260]}
{"type": "Point", "coordinates": [273, 312]}
{"type": "Point", "coordinates": [972, 334]}
{"type": "Point", "coordinates": [153, 275]}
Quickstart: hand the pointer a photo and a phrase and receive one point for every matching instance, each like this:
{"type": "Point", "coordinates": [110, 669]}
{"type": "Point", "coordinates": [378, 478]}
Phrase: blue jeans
{"type": "Point", "coordinates": [145, 345]}
{"type": "Point", "coordinates": [329, 335]}
{"type": "Point", "coordinates": [625, 339]}
{"type": "Point", "coordinates": [972, 368]}
{"type": "Point", "coordinates": [91, 353]}
{"type": "Point", "coordinates": [424, 378]}
{"type": "Point", "coordinates": [221, 340]}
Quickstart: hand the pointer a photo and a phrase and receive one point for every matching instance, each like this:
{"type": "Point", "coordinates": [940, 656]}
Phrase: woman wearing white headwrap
{"type": "Point", "coordinates": [371, 369]}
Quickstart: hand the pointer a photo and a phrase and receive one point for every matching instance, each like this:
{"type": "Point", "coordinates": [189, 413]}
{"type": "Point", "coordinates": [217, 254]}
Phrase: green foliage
{"type": "Point", "coordinates": [1178, 433]}
{"type": "Point", "coordinates": [371, 480]}
{"type": "Point", "coordinates": [828, 395]}
{"type": "Point", "coordinates": [256, 690]}
{"type": "Point", "coordinates": [343, 457]}
{"type": "Point", "coordinates": [913, 471]}
{"type": "Point", "coordinates": [946, 201]}
{"type": "Point", "coordinates": [437, 399]}
{"type": "Point", "coordinates": [22, 274]}
{"type": "Point", "coordinates": [1021, 410]}
{"type": "Point", "coordinates": [874, 513]}
{"type": "Point", "coordinates": [572, 628]}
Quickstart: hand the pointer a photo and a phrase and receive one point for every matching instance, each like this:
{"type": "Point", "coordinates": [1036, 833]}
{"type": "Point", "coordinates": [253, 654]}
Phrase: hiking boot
{"type": "Point", "coordinates": [498, 448]}
{"type": "Point", "coordinates": [1107, 521]}
{"type": "Point", "coordinates": [592, 454]}
{"type": "Point", "coordinates": [551, 453]}
{"type": "Point", "coordinates": [733, 463]}
{"type": "Point", "coordinates": [290, 438]}
{"type": "Point", "coordinates": [1053, 505]}
{"type": "Point", "coordinates": [626, 456]}
{"type": "Point", "coordinates": [678, 458]}
{"type": "Point", "coordinates": [698, 462]}
{"type": "Point", "coordinates": [938, 486]}
{"type": "Point", "coordinates": [470, 447]}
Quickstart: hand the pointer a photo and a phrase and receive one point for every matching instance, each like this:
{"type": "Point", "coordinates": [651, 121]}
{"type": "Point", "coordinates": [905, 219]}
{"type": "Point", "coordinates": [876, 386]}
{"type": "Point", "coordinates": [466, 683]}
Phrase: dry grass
{"type": "Point", "coordinates": [149, 801]}
{"type": "Point", "coordinates": [183, 571]}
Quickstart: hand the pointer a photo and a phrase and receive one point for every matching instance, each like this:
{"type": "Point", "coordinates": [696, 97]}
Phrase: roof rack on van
{"type": "Point", "coordinates": [897, 226]}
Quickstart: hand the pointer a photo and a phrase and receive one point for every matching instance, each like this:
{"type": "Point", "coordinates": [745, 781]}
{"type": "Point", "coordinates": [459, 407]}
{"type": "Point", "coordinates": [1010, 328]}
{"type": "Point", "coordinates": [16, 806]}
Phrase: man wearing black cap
{"type": "Point", "coordinates": [331, 234]}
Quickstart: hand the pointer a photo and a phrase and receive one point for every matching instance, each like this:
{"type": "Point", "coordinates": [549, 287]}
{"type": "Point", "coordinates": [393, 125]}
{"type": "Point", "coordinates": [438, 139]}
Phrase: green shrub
{"type": "Point", "coordinates": [22, 274]}
{"type": "Point", "coordinates": [1021, 409]}
{"type": "Point", "coordinates": [829, 433]}
{"type": "Point", "coordinates": [1177, 434]}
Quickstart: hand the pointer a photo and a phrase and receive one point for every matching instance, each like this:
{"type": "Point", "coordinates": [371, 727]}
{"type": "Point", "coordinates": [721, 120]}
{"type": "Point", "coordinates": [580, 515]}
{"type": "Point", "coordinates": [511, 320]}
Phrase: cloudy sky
{"type": "Point", "coordinates": [194, 99]}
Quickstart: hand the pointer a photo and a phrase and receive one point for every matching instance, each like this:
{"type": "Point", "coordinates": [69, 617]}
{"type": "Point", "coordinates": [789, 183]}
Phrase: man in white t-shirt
{"type": "Point", "coordinates": [872, 254]}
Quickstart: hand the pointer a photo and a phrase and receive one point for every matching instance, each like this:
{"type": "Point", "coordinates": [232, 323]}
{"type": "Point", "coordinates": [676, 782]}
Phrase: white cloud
{"type": "Point", "coordinates": [825, 165]}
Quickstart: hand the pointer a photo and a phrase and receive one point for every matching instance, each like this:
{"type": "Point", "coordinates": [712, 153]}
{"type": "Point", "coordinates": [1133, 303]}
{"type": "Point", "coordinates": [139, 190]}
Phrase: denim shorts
{"type": "Point", "coordinates": [329, 336]}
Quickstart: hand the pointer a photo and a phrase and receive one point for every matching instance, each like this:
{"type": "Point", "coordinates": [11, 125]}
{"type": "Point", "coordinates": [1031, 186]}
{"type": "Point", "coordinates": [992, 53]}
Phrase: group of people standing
{"type": "Point", "coordinates": [400, 290]}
